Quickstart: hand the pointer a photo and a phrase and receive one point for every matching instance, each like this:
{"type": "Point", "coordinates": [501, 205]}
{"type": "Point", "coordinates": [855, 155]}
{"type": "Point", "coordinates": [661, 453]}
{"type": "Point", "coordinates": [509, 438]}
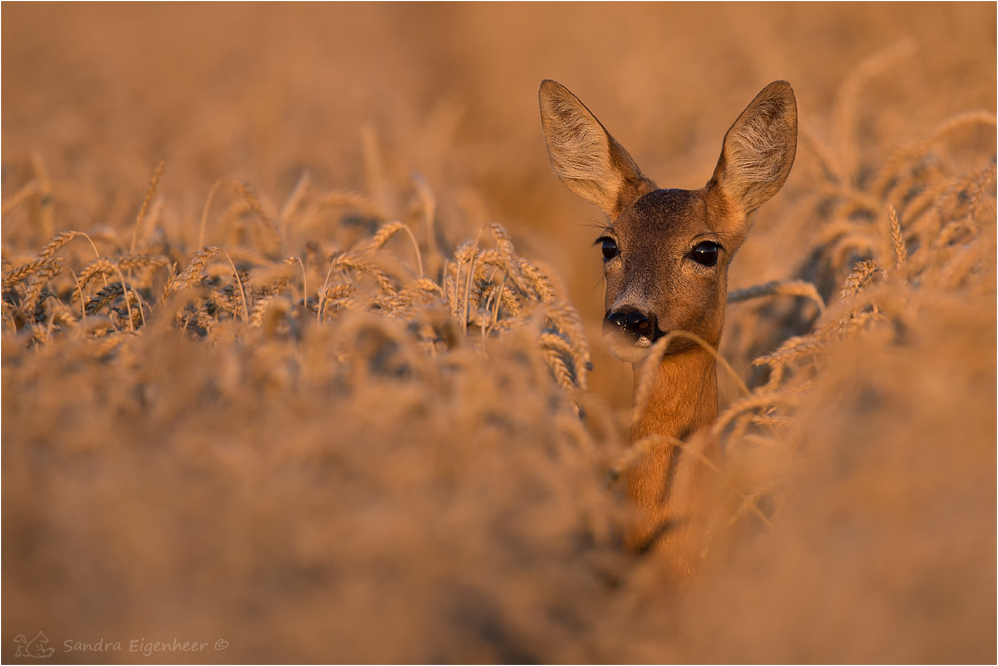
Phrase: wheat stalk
{"type": "Point", "coordinates": [785, 287]}
{"type": "Point", "coordinates": [428, 204]}
{"type": "Point", "coordinates": [150, 191]}
{"type": "Point", "coordinates": [913, 152]}
{"type": "Point", "coordinates": [385, 232]}
{"type": "Point", "coordinates": [897, 238]}
{"type": "Point", "coordinates": [847, 100]}
{"type": "Point", "coordinates": [294, 202]}
{"type": "Point", "coordinates": [22, 194]}
{"type": "Point", "coordinates": [862, 273]}
{"type": "Point", "coordinates": [25, 271]}
{"type": "Point", "coordinates": [192, 274]}
{"type": "Point", "coordinates": [60, 240]}
{"type": "Point", "coordinates": [353, 262]}
{"type": "Point", "coordinates": [103, 297]}
{"type": "Point", "coordinates": [45, 199]}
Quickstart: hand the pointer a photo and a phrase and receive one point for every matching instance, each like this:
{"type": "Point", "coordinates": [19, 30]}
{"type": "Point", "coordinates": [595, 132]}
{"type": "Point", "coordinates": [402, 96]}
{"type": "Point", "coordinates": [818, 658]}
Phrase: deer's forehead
{"type": "Point", "coordinates": [666, 215]}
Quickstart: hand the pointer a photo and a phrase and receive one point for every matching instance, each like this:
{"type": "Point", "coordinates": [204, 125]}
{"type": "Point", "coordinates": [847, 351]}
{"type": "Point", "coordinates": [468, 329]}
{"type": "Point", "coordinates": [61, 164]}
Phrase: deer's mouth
{"type": "Point", "coordinates": [628, 343]}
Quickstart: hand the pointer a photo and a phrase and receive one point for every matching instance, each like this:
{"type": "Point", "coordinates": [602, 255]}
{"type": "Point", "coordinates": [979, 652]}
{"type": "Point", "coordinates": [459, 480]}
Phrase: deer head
{"type": "Point", "coordinates": [666, 251]}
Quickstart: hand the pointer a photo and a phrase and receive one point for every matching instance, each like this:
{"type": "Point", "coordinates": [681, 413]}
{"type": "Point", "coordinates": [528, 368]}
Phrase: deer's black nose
{"type": "Point", "coordinates": [633, 322]}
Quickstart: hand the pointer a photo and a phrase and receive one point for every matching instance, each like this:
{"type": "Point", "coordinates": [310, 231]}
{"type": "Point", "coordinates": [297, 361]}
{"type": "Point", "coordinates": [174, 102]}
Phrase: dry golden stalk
{"type": "Point", "coordinates": [275, 287]}
{"type": "Point", "coordinates": [966, 260]}
{"type": "Point", "coordinates": [832, 231]}
{"type": "Point", "coordinates": [353, 262]}
{"type": "Point", "coordinates": [567, 319]}
{"type": "Point", "coordinates": [770, 420]}
{"type": "Point", "coordinates": [957, 232]}
{"type": "Point", "coordinates": [223, 301]}
{"type": "Point", "coordinates": [104, 296]}
{"type": "Point", "coordinates": [108, 345]}
{"type": "Point", "coordinates": [204, 211]}
{"type": "Point", "coordinates": [45, 199]}
{"type": "Point", "coordinates": [107, 266]}
{"type": "Point", "coordinates": [490, 257]}
{"type": "Point", "coordinates": [847, 99]}
{"type": "Point", "coordinates": [751, 403]}
{"type": "Point", "coordinates": [335, 298]}
{"type": "Point", "coordinates": [248, 255]}
{"type": "Point", "coordinates": [192, 274]}
{"type": "Point", "coordinates": [386, 232]}
{"type": "Point", "coordinates": [25, 271]}
{"type": "Point", "coordinates": [304, 277]}
{"type": "Point", "coordinates": [956, 192]}
{"type": "Point", "coordinates": [295, 199]}
{"type": "Point", "coordinates": [536, 278]}
{"type": "Point", "coordinates": [463, 254]}
{"type": "Point", "coordinates": [507, 256]}
{"type": "Point", "coordinates": [785, 287]}
{"type": "Point", "coordinates": [135, 261]}
{"type": "Point", "coordinates": [128, 304]}
{"type": "Point", "coordinates": [828, 162]}
{"type": "Point", "coordinates": [425, 284]}
{"type": "Point", "coordinates": [103, 266]}
{"type": "Point", "coordinates": [866, 243]}
{"type": "Point", "coordinates": [254, 204]}
{"type": "Point", "coordinates": [862, 273]}
{"type": "Point", "coordinates": [911, 153]}
{"type": "Point", "coordinates": [793, 349]}
{"type": "Point", "coordinates": [556, 342]}
{"type": "Point", "coordinates": [984, 177]}
{"type": "Point", "coordinates": [22, 194]}
{"type": "Point", "coordinates": [897, 238]}
{"type": "Point", "coordinates": [558, 368]}
{"type": "Point", "coordinates": [38, 280]}
{"type": "Point", "coordinates": [239, 281]}
{"type": "Point", "coordinates": [352, 201]}
{"type": "Point", "coordinates": [374, 173]}
{"type": "Point", "coordinates": [429, 205]}
{"type": "Point", "coordinates": [340, 290]}
{"type": "Point", "coordinates": [61, 239]}
{"type": "Point", "coordinates": [923, 203]}
{"type": "Point", "coordinates": [268, 310]}
{"type": "Point", "coordinates": [153, 182]}
{"type": "Point", "coordinates": [507, 299]}
{"type": "Point", "coordinates": [468, 292]}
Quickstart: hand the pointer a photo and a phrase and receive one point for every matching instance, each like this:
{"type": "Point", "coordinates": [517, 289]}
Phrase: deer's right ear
{"type": "Point", "coordinates": [584, 155]}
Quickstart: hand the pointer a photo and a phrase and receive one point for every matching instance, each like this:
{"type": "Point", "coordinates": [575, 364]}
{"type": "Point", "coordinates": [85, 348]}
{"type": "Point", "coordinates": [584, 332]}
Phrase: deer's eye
{"type": "Point", "coordinates": [705, 253]}
{"type": "Point", "coordinates": [609, 248]}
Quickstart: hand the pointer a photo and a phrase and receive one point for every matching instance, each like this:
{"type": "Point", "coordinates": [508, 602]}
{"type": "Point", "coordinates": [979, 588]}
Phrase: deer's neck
{"type": "Point", "coordinates": [666, 483]}
{"type": "Point", "coordinates": [683, 398]}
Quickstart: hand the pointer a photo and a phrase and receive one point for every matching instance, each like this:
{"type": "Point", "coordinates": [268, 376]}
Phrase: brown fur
{"type": "Point", "coordinates": [655, 231]}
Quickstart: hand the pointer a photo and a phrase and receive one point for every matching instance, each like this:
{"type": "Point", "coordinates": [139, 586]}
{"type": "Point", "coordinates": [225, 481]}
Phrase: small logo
{"type": "Point", "coordinates": [35, 648]}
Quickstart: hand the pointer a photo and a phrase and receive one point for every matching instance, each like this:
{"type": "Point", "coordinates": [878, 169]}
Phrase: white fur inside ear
{"type": "Point", "coordinates": [580, 148]}
{"type": "Point", "coordinates": [759, 148]}
{"type": "Point", "coordinates": [756, 150]}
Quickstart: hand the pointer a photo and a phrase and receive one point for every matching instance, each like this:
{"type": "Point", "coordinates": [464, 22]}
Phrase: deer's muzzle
{"type": "Point", "coordinates": [642, 329]}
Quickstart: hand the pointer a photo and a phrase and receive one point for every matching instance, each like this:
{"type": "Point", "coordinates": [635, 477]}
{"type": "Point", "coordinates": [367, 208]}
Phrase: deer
{"type": "Point", "coordinates": [666, 254]}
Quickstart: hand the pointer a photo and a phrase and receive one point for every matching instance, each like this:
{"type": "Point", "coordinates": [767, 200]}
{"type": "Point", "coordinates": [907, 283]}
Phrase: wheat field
{"type": "Point", "coordinates": [301, 354]}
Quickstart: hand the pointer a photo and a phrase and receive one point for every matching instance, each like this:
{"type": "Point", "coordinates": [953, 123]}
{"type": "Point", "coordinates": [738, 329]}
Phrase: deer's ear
{"type": "Point", "coordinates": [759, 149]}
{"type": "Point", "coordinates": [584, 155]}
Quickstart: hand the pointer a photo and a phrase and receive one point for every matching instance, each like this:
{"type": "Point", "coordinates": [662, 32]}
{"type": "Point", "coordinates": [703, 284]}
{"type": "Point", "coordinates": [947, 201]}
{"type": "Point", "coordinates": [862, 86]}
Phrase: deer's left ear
{"type": "Point", "coordinates": [758, 150]}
